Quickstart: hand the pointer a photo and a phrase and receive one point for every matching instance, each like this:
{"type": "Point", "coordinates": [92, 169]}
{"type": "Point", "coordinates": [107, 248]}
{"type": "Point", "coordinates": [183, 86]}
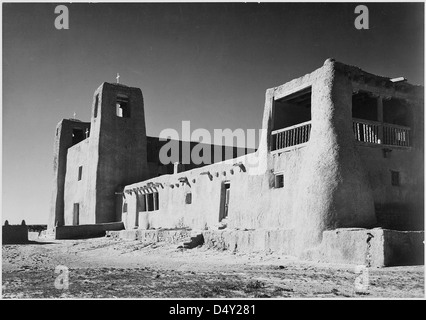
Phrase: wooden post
{"type": "Point", "coordinates": [380, 117]}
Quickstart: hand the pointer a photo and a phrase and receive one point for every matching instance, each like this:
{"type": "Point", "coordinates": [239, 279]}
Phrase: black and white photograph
{"type": "Point", "coordinates": [191, 152]}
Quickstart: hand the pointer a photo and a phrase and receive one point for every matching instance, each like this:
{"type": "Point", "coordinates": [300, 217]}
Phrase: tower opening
{"type": "Point", "coordinates": [122, 106]}
{"type": "Point", "coordinates": [77, 135]}
{"type": "Point", "coordinates": [95, 112]}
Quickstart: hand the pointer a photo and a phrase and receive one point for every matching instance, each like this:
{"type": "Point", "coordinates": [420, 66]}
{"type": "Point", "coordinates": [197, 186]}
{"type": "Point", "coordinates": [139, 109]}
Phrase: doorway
{"type": "Point", "coordinates": [224, 201]}
{"type": "Point", "coordinates": [76, 214]}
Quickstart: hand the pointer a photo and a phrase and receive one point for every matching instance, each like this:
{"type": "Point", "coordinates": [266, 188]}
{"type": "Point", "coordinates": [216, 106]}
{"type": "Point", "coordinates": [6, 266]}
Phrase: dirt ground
{"type": "Point", "coordinates": [111, 268]}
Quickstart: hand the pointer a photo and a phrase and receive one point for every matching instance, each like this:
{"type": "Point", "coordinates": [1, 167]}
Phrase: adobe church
{"type": "Point", "coordinates": [342, 149]}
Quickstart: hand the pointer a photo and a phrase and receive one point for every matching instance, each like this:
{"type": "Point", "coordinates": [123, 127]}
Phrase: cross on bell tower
{"type": "Point", "coordinates": [118, 78]}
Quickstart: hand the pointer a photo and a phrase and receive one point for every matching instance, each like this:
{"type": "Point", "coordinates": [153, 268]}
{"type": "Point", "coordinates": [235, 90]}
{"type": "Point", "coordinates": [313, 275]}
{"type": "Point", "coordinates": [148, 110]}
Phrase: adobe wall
{"type": "Point", "coordinates": [371, 247]}
{"type": "Point", "coordinates": [397, 207]}
{"type": "Point", "coordinates": [326, 186]}
{"type": "Point", "coordinates": [206, 196]}
{"type": "Point", "coordinates": [121, 147]}
{"type": "Point", "coordinates": [86, 231]}
{"type": "Point", "coordinates": [332, 189]}
{"type": "Point", "coordinates": [14, 234]}
{"type": "Point", "coordinates": [254, 203]}
{"type": "Point", "coordinates": [330, 182]}
{"type": "Point", "coordinates": [218, 153]}
{"type": "Point", "coordinates": [63, 140]}
{"type": "Point", "coordinates": [78, 191]}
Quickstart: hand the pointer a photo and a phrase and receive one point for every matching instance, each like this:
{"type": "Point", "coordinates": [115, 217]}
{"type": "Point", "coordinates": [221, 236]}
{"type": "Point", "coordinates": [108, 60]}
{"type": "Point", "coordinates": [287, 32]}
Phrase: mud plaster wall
{"type": "Point", "coordinates": [121, 146]}
{"type": "Point", "coordinates": [63, 140]}
{"type": "Point", "coordinates": [399, 207]}
{"type": "Point", "coordinates": [14, 234]}
{"type": "Point", "coordinates": [332, 187]}
{"type": "Point", "coordinates": [327, 183]}
{"type": "Point", "coordinates": [77, 191]}
{"type": "Point", "coordinates": [116, 152]}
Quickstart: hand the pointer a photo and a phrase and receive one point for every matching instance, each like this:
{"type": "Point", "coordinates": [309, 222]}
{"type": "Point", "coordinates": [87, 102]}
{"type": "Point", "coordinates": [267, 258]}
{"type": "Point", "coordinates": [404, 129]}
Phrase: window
{"type": "Point", "coordinates": [80, 172]}
{"type": "Point", "coordinates": [156, 201]}
{"type": "Point", "coordinates": [395, 178]}
{"type": "Point", "coordinates": [122, 107]}
{"type": "Point", "coordinates": [141, 204]}
{"type": "Point", "coordinates": [150, 201]}
{"type": "Point", "coordinates": [279, 180]}
{"type": "Point", "coordinates": [95, 112]}
{"type": "Point", "coordinates": [77, 135]}
{"type": "Point", "coordinates": [125, 207]}
{"type": "Point", "coordinates": [188, 198]}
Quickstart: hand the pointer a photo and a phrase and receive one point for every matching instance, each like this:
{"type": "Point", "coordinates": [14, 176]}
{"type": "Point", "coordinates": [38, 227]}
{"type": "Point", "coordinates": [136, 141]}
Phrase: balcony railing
{"type": "Point", "coordinates": [396, 135]}
{"type": "Point", "coordinates": [366, 131]}
{"type": "Point", "coordinates": [372, 132]}
{"type": "Point", "coordinates": [291, 136]}
{"type": "Point", "coordinates": [381, 133]}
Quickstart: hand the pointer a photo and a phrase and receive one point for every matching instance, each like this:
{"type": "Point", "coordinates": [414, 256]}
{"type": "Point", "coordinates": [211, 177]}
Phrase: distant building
{"type": "Point", "coordinates": [341, 148]}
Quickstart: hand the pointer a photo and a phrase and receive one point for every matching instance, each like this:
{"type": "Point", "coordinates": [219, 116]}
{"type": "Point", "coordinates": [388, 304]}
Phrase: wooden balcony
{"type": "Point", "coordinates": [365, 131]}
{"type": "Point", "coordinates": [291, 136]}
{"type": "Point", "coordinates": [374, 132]}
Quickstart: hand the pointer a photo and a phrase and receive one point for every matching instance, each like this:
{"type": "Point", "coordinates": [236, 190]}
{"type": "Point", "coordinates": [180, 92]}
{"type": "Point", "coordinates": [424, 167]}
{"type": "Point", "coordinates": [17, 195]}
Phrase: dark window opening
{"type": "Point", "coordinates": [150, 202]}
{"type": "Point", "coordinates": [122, 107]}
{"type": "Point", "coordinates": [77, 135]}
{"type": "Point", "coordinates": [80, 172]}
{"type": "Point", "coordinates": [156, 201]}
{"type": "Point", "coordinates": [125, 207]}
{"type": "Point", "coordinates": [279, 180]}
{"type": "Point", "coordinates": [292, 109]}
{"type": "Point", "coordinates": [141, 204]}
{"type": "Point", "coordinates": [188, 198]}
{"type": "Point", "coordinates": [396, 111]}
{"type": "Point", "coordinates": [364, 106]}
{"type": "Point", "coordinates": [95, 112]}
{"type": "Point", "coordinates": [395, 178]}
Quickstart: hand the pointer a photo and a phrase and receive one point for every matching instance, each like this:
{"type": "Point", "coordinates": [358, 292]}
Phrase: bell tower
{"type": "Point", "coordinates": [117, 147]}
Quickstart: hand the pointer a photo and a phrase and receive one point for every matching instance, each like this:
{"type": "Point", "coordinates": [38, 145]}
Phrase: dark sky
{"type": "Point", "coordinates": [207, 63]}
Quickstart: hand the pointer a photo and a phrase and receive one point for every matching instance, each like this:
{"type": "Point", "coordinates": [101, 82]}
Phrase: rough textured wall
{"type": "Point", "coordinates": [398, 207]}
{"type": "Point", "coordinates": [254, 203]}
{"type": "Point", "coordinates": [333, 189]}
{"type": "Point", "coordinates": [118, 148]}
{"type": "Point", "coordinates": [76, 191]}
{"type": "Point", "coordinates": [330, 182]}
{"type": "Point", "coordinates": [14, 234]}
{"type": "Point", "coordinates": [371, 247]}
{"type": "Point", "coordinates": [63, 140]}
{"type": "Point", "coordinates": [156, 168]}
{"type": "Point", "coordinates": [86, 231]}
